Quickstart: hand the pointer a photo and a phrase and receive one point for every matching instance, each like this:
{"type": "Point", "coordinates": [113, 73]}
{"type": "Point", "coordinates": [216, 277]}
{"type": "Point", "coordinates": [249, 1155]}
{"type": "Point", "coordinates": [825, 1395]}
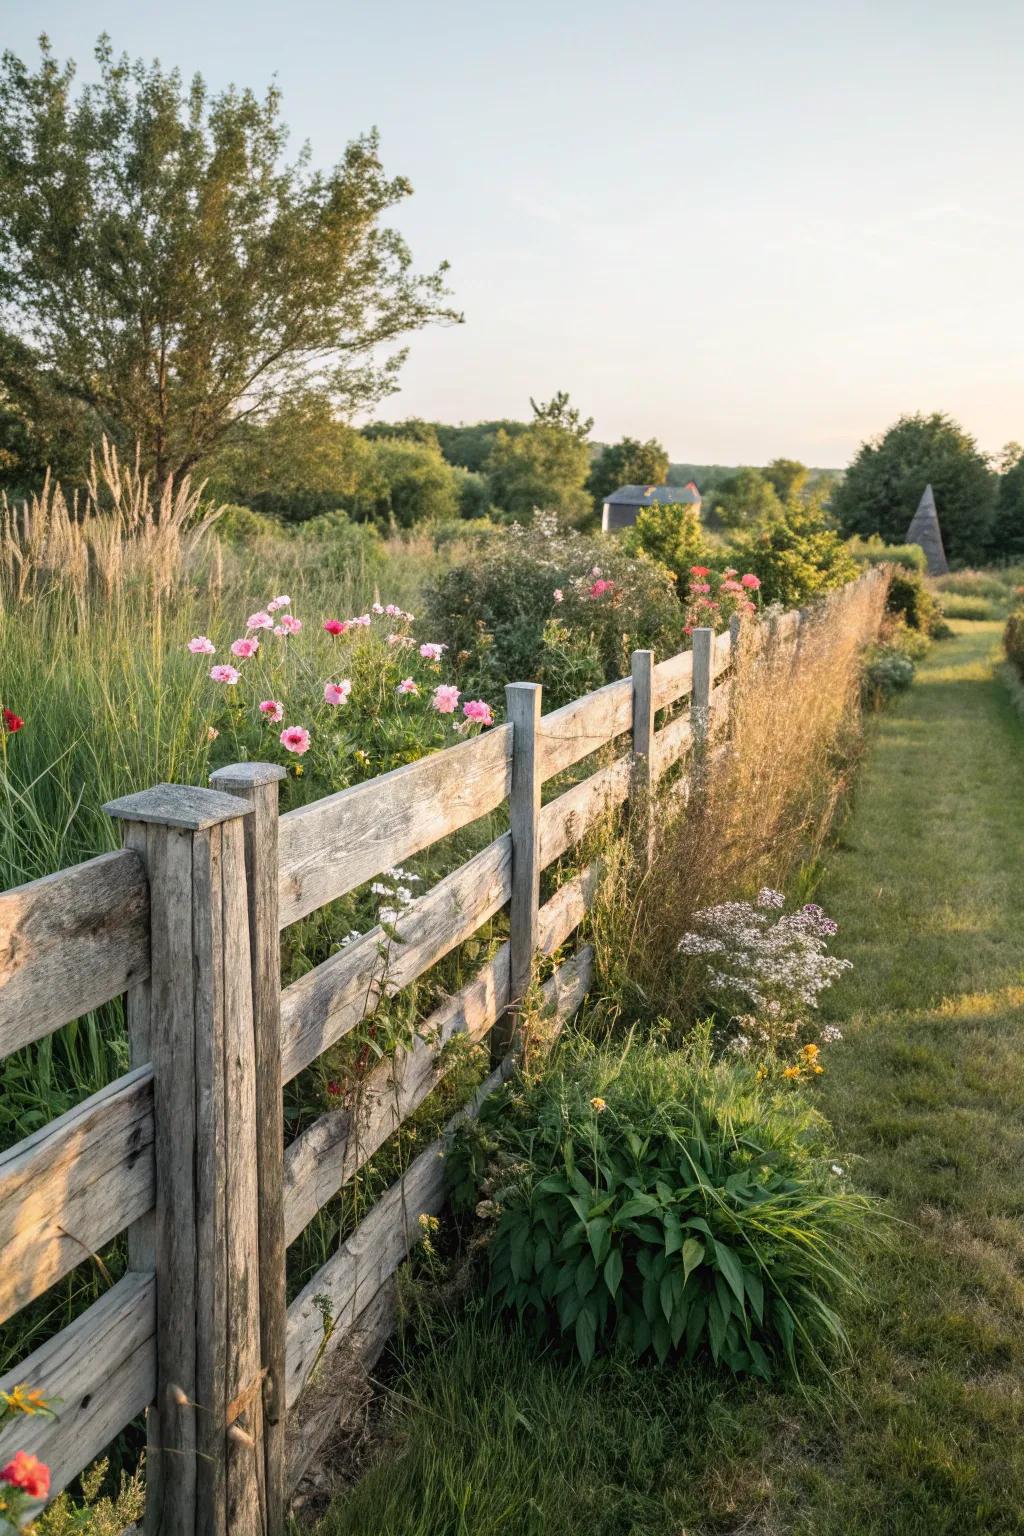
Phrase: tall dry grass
{"type": "Point", "coordinates": [765, 804]}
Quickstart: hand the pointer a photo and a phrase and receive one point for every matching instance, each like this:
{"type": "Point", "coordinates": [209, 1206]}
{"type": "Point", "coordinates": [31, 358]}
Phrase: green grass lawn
{"type": "Point", "coordinates": [924, 1430]}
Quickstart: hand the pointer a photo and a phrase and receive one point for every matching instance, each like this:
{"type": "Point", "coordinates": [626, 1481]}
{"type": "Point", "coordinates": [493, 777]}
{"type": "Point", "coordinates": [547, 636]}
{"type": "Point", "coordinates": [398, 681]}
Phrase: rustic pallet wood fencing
{"type": "Point", "coordinates": [186, 1152]}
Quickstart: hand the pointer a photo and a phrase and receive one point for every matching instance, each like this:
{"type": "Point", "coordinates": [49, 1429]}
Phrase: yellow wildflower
{"type": "Point", "coordinates": [597, 1104]}
{"type": "Point", "coordinates": [792, 1073]}
{"type": "Point", "coordinates": [23, 1399]}
{"type": "Point", "coordinates": [810, 1052]}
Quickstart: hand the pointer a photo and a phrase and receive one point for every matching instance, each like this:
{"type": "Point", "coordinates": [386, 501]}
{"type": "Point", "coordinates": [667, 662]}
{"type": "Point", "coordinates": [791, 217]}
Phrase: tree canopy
{"type": "Point", "coordinates": [882, 487]}
{"type": "Point", "coordinates": [629, 462]}
{"type": "Point", "coordinates": [167, 273]}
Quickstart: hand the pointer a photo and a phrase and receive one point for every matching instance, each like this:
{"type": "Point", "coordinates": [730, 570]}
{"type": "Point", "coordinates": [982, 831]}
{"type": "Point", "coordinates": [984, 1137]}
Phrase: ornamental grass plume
{"type": "Point", "coordinates": [770, 796]}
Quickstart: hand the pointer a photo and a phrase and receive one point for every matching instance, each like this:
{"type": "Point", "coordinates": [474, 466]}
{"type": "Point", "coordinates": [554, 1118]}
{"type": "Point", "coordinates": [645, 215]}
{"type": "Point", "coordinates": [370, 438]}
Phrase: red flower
{"type": "Point", "coordinates": [334, 1088]}
{"type": "Point", "coordinates": [12, 721]}
{"type": "Point", "coordinates": [700, 570]}
{"type": "Point", "coordinates": [29, 1474]}
{"type": "Point", "coordinates": [335, 626]}
{"type": "Point", "coordinates": [601, 587]}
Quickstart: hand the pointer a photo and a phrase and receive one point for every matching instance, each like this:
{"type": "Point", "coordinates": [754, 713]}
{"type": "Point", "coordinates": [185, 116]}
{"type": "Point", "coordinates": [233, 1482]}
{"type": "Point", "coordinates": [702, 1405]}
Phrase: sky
{"type": "Point", "coordinates": [745, 227]}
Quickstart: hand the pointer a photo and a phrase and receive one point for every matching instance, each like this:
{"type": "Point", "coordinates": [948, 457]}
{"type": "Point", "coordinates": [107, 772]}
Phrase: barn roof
{"type": "Point", "coordinates": [653, 495]}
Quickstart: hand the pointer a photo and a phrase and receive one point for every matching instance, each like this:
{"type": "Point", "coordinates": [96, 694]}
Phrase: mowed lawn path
{"type": "Point", "coordinates": [923, 1432]}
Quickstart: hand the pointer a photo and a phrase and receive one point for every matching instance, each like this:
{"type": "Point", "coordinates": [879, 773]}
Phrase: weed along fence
{"type": "Point", "coordinates": [186, 1152]}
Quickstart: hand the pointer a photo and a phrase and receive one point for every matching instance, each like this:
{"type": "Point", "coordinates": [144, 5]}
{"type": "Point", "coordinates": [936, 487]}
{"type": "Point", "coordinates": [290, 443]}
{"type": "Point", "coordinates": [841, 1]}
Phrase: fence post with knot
{"type": "Point", "coordinates": [208, 1434]}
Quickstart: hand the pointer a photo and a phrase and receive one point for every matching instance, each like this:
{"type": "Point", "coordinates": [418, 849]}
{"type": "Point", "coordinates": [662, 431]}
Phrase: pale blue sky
{"type": "Point", "coordinates": [748, 227]}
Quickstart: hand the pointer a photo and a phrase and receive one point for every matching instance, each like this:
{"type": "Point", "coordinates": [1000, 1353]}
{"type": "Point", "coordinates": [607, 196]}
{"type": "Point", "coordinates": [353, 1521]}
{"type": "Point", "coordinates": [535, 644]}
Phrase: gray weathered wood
{"type": "Point", "coordinates": [567, 819]}
{"type": "Point", "coordinates": [700, 697]}
{"type": "Point", "coordinates": [576, 730]}
{"type": "Point", "coordinates": [327, 1002]}
{"type": "Point", "coordinates": [335, 844]}
{"type": "Point", "coordinates": [523, 705]}
{"type": "Point", "coordinates": [641, 787]}
{"type": "Point", "coordinates": [566, 909]}
{"type": "Point", "coordinates": [72, 1186]}
{"type": "Point", "coordinates": [673, 679]}
{"type": "Point", "coordinates": [671, 744]}
{"type": "Point", "coordinates": [68, 943]}
{"type": "Point", "coordinates": [206, 1228]}
{"type": "Point", "coordinates": [257, 784]}
{"type": "Point", "coordinates": [101, 1368]}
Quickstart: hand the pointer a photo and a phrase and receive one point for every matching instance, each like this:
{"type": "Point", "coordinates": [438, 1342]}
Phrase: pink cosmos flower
{"type": "Point", "coordinates": [477, 711]}
{"type": "Point", "coordinates": [752, 583]}
{"type": "Point", "coordinates": [393, 611]}
{"type": "Point", "coordinates": [337, 693]}
{"type": "Point", "coordinates": [278, 602]}
{"type": "Point", "coordinates": [731, 586]}
{"type": "Point", "coordinates": [244, 647]}
{"type": "Point", "coordinates": [201, 646]}
{"type": "Point", "coordinates": [290, 624]}
{"type": "Point", "coordinates": [445, 699]}
{"type": "Point", "coordinates": [601, 587]}
{"type": "Point", "coordinates": [295, 738]}
{"type": "Point", "coordinates": [376, 608]}
{"type": "Point", "coordinates": [432, 652]}
{"type": "Point", "coordinates": [363, 622]}
{"type": "Point", "coordinates": [700, 586]}
{"type": "Point", "coordinates": [273, 709]}
{"type": "Point", "coordinates": [407, 685]}
{"type": "Point", "coordinates": [259, 620]}
{"type": "Point", "coordinates": [335, 626]}
{"type": "Point", "coordinates": [558, 594]}
{"type": "Point", "coordinates": [225, 674]}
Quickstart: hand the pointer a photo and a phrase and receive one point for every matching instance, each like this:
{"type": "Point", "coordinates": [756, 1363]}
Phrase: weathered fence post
{"type": "Point", "coordinates": [210, 1476]}
{"type": "Point", "coordinates": [257, 783]}
{"type": "Point", "coordinates": [523, 705]}
{"type": "Point", "coordinates": [700, 696]}
{"type": "Point", "coordinates": [641, 790]}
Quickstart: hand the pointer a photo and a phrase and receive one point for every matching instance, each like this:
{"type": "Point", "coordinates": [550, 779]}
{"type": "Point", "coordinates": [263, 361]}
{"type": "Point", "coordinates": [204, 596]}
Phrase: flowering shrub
{"type": "Point", "coordinates": [714, 597]}
{"type": "Point", "coordinates": [662, 1203]}
{"type": "Point", "coordinates": [766, 968]}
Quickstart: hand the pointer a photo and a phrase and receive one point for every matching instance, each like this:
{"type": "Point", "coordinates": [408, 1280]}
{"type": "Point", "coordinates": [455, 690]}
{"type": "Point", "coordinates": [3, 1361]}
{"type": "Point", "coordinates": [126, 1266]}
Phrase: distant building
{"type": "Point", "coordinates": [622, 506]}
{"type": "Point", "coordinates": [924, 530]}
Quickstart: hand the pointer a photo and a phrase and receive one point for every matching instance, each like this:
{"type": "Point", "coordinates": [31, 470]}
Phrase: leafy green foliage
{"type": "Point", "coordinates": [874, 551]}
{"type": "Point", "coordinates": [910, 598]}
{"type": "Point", "coordinates": [797, 555]}
{"type": "Point", "coordinates": [660, 1203]}
{"type": "Point", "coordinates": [1013, 640]}
{"type": "Point", "coordinates": [629, 462]}
{"type": "Point", "coordinates": [882, 487]}
{"type": "Point", "coordinates": [746, 499]}
{"type": "Point", "coordinates": [1006, 540]}
{"type": "Point", "coordinates": [672, 535]}
{"type": "Point", "coordinates": [169, 269]}
{"type": "Point", "coordinates": [542, 467]}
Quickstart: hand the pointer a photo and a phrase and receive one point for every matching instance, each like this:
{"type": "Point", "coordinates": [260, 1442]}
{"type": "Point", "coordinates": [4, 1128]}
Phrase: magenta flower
{"type": "Point", "coordinates": [445, 699]}
{"type": "Point", "coordinates": [273, 709]}
{"type": "Point", "coordinates": [600, 588]}
{"type": "Point", "coordinates": [295, 738]}
{"type": "Point", "coordinates": [224, 674]}
{"type": "Point", "coordinates": [407, 685]}
{"type": "Point", "coordinates": [477, 711]}
{"type": "Point", "coordinates": [431, 652]}
{"type": "Point", "coordinates": [201, 646]}
{"type": "Point", "coordinates": [335, 626]}
{"type": "Point", "coordinates": [244, 648]}
{"type": "Point", "coordinates": [752, 583]}
{"type": "Point", "coordinates": [259, 620]}
{"type": "Point", "coordinates": [337, 693]}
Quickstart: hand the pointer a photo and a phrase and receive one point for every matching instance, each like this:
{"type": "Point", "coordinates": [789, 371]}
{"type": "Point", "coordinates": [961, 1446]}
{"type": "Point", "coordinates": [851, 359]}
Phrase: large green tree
{"type": "Point", "coordinates": [544, 466]}
{"type": "Point", "coordinates": [629, 462]}
{"type": "Point", "coordinates": [172, 273]}
{"type": "Point", "coordinates": [882, 487]}
{"type": "Point", "coordinates": [745, 499]}
{"type": "Point", "coordinates": [1006, 537]}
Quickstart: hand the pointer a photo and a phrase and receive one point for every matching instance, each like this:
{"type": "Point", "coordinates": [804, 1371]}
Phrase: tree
{"type": "Point", "coordinates": [670, 534]}
{"type": "Point", "coordinates": [629, 462]}
{"type": "Point", "coordinates": [410, 484]}
{"type": "Point", "coordinates": [543, 466]}
{"type": "Point", "coordinates": [561, 413]}
{"type": "Point", "coordinates": [173, 274]}
{"type": "Point", "coordinates": [787, 477]}
{"type": "Point", "coordinates": [745, 499]}
{"type": "Point", "coordinates": [796, 555]}
{"type": "Point", "coordinates": [882, 487]}
{"type": "Point", "coordinates": [1006, 539]}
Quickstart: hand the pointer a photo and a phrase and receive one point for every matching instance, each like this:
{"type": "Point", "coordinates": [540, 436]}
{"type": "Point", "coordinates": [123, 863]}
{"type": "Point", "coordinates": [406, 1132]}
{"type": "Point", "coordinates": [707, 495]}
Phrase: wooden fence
{"type": "Point", "coordinates": [187, 1153]}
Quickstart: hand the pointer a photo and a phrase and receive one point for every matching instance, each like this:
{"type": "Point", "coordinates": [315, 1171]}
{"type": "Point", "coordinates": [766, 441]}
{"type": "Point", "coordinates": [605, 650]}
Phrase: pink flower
{"type": "Point", "coordinates": [407, 685]}
{"type": "Point", "coordinates": [363, 622]}
{"type": "Point", "coordinates": [201, 646]}
{"type": "Point", "coordinates": [273, 709]}
{"type": "Point", "coordinates": [749, 607]}
{"type": "Point", "coordinates": [259, 620]}
{"type": "Point", "coordinates": [290, 624]}
{"type": "Point", "coordinates": [700, 586]}
{"type": "Point", "coordinates": [730, 570]}
{"type": "Point", "coordinates": [700, 570]}
{"type": "Point", "coordinates": [432, 652]}
{"type": "Point", "coordinates": [752, 583]}
{"type": "Point", "coordinates": [445, 699]}
{"type": "Point", "coordinates": [278, 602]}
{"type": "Point", "coordinates": [731, 586]}
{"type": "Point", "coordinates": [244, 648]}
{"type": "Point", "coordinates": [376, 608]}
{"type": "Point", "coordinates": [29, 1474]}
{"type": "Point", "coordinates": [477, 711]}
{"type": "Point", "coordinates": [335, 626]}
{"type": "Point", "coordinates": [601, 587]}
{"type": "Point", "coordinates": [401, 640]}
{"type": "Point", "coordinates": [394, 612]}
{"type": "Point", "coordinates": [279, 629]}
{"type": "Point", "coordinates": [337, 693]}
{"type": "Point", "coordinates": [225, 674]}
{"type": "Point", "coordinates": [295, 738]}
{"type": "Point", "coordinates": [558, 594]}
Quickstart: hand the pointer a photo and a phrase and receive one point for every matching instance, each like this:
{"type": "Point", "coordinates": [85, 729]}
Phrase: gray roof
{"type": "Point", "coordinates": [653, 495]}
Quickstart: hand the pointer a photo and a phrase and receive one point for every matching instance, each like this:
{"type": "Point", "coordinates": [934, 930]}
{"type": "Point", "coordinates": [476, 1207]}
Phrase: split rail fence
{"type": "Point", "coordinates": [187, 1152]}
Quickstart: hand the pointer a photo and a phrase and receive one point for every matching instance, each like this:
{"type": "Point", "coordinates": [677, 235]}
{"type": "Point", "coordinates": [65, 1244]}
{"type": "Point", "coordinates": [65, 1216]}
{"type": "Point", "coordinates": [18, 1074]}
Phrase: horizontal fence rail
{"type": "Point", "coordinates": [186, 1152]}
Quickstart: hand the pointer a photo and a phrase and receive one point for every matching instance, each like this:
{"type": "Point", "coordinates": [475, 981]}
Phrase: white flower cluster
{"type": "Point", "coordinates": [773, 964]}
{"type": "Point", "coordinates": [395, 886]}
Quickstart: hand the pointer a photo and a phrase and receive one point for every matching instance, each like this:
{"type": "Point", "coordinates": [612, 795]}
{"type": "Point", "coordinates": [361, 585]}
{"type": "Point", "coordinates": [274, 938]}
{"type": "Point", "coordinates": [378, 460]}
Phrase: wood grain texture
{"type": "Point", "coordinates": [73, 1185]}
{"type": "Point", "coordinates": [673, 679]}
{"type": "Point", "coordinates": [571, 733]}
{"type": "Point", "coordinates": [641, 778]}
{"type": "Point", "coordinates": [70, 942]}
{"type": "Point", "coordinates": [335, 844]}
{"type": "Point", "coordinates": [327, 1002]}
{"type": "Point", "coordinates": [523, 706]}
{"type": "Point", "coordinates": [671, 744]}
{"type": "Point", "coordinates": [565, 820]}
{"type": "Point", "coordinates": [102, 1367]}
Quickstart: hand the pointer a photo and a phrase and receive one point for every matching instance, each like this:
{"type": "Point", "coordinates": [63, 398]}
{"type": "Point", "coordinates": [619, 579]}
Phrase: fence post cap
{"type": "Point", "coordinates": [178, 805]}
{"type": "Point", "coordinates": [523, 688]}
{"type": "Point", "coordinates": [249, 774]}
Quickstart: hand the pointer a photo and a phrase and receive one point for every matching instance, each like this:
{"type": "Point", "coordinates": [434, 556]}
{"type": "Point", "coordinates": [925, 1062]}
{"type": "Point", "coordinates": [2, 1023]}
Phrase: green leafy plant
{"type": "Point", "coordinates": [1013, 640]}
{"type": "Point", "coordinates": [666, 1203]}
